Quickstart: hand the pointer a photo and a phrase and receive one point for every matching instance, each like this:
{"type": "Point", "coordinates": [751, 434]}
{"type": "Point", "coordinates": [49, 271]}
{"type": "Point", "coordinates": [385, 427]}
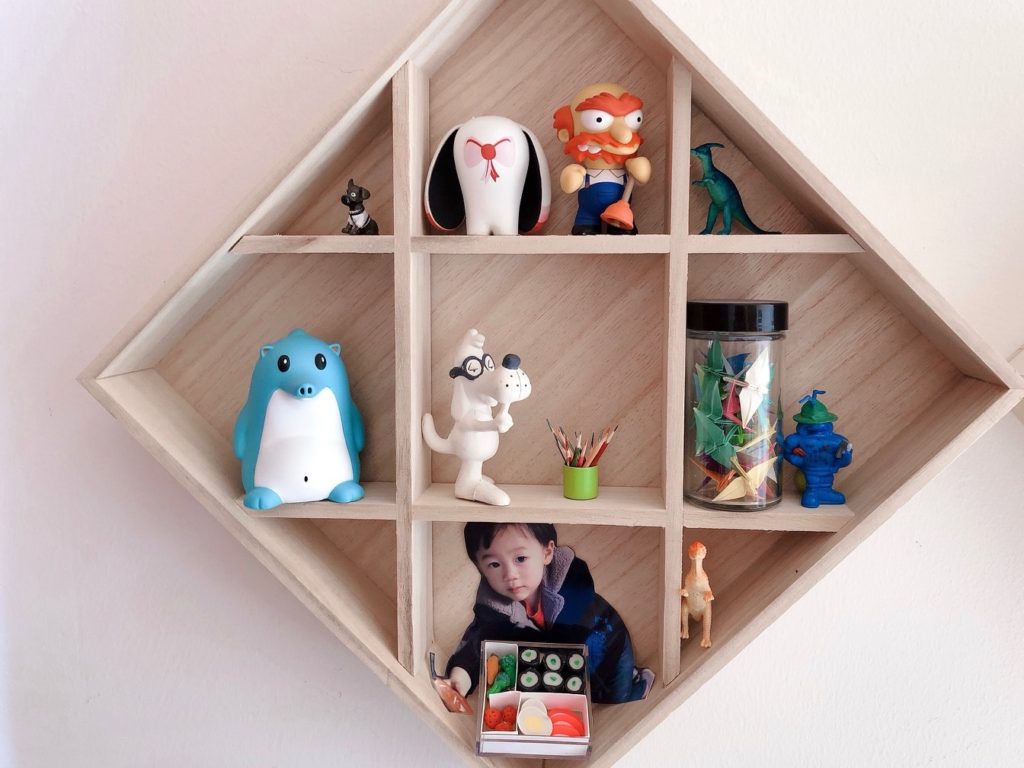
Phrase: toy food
{"type": "Point", "coordinates": [576, 662]}
{"type": "Point", "coordinates": [529, 657]}
{"type": "Point", "coordinates": [508, 714]}
{"type": "Point", "coordinates": [492, 717]}
{"type": "Point", "coordinates": [505, 678]}
{"type": "Point", "coordinates": [529, 681]}
{"type": "Point", "coordinates": [532, 722]}
{"type": "Point", "coordinates": [553, 662]}
{"type": "Point", "coordinates": [493, 667]}
{"type": "Point", "coordinates": [552, 682]}
{"type": "Point", "coordinates": [574, 684]}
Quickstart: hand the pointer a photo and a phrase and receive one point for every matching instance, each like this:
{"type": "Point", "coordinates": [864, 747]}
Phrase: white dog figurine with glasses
{"type": "Point", "coordinates": [478, 387]}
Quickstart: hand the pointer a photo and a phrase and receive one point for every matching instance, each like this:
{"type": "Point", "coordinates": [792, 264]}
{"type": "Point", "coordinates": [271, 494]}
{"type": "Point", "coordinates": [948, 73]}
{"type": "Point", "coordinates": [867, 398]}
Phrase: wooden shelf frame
{"type": "Point", "coordinates": [790, 548]}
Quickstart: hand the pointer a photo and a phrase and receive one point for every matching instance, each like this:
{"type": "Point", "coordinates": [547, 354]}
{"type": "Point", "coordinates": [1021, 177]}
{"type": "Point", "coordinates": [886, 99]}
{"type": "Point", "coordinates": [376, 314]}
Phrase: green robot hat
{"type": "Point", "coordinates": [813, 411]}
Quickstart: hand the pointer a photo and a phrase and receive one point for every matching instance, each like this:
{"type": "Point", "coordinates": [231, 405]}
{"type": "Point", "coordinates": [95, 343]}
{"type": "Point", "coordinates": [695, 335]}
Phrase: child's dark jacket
{"type": "Point", "coordinates": [573, 613]}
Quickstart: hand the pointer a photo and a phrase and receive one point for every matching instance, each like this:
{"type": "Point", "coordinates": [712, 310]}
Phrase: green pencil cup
{"type": "Point", "coordinates": [579, 483]}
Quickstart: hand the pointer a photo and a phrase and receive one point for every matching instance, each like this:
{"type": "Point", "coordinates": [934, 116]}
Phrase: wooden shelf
{"type": "Point", "coordinates": [546, 504]}
{"type": "Point", "coordinates": [378, 504]}
{"type": "Point", "coordinates": [834, 244]}
{"type": "Point", "coordinates": [539, 244]}
{"type": "Point", "coordinates": [600, 332]}
{"type": "Point", "coordinates": [266, 244]}
{"type": "Point", "coordinates": [787, 516]}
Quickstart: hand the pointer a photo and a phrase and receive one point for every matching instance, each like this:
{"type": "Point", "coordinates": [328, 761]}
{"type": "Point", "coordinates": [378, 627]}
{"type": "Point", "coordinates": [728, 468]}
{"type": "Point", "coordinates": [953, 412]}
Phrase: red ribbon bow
{"type": "Point", "coordinates": [489, 152]}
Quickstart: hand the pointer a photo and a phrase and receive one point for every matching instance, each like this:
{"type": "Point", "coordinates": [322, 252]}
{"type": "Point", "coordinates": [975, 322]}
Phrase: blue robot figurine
{"type": "Point", "coordinates": [817, 451]}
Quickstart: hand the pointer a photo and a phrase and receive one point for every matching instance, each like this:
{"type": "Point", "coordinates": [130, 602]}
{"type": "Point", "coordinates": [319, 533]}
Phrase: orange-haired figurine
{"type": "Point", "coordinates": [601, 132]}
{"type": "Point", "coordinates": [697, 595]}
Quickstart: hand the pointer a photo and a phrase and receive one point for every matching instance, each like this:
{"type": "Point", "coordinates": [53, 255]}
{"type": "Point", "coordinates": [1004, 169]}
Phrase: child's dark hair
{"type": "Point", "coordinates": [480, 535]}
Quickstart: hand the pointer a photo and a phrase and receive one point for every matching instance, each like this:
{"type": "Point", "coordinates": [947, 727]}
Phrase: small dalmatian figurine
{"type": "Point", "coordinates": [359, 221]}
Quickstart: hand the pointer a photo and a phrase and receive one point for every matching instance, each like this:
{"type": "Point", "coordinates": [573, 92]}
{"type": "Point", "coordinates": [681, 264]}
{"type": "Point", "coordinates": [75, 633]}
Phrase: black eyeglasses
{"type": "Point", "coordinates": [472, 367]}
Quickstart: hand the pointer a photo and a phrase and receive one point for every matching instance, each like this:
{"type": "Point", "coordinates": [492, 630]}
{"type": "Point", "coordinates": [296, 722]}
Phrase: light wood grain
{"type": "Point", "coordinates": [378, 504]}
{"type": "Point", "coordinates": [545, 504]}
{"type": "Point", "coordinates": [758, 244]}
{"type": "Point", "coordinates": [788, 515]}
{"type": "Point", "coordinates": [412, 317]}
{"type": "Point", "coordinates": [678, 84]}
{"type": "Point", "coordinates": [542, 244]}
{"type": "Point", "coordinates": [270, 244]}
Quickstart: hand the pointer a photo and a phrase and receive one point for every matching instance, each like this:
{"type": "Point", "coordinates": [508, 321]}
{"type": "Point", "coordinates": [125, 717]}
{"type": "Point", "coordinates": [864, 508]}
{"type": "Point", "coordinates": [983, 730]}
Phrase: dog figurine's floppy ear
{"type": "Point", "coordinates": [492, 173]}
{"type": "Point", "coordinates": [536, 200]}
{"type": "Point", "coordinates": [444, 203]}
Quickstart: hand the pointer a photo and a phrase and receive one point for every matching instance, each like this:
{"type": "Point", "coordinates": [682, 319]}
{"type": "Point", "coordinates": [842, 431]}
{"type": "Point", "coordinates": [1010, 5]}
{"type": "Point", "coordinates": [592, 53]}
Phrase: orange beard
{"type": "Point", "coordinates": [605, 139]}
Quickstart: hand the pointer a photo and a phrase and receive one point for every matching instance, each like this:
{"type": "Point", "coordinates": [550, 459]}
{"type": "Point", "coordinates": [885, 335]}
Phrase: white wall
{"type": "Point", "coordinates": [135, 631]}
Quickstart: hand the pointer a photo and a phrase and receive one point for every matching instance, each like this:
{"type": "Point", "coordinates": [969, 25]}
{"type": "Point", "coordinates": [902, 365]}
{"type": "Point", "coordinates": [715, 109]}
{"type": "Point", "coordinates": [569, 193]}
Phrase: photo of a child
{"type": "Point", "coordinates": [532, 589]}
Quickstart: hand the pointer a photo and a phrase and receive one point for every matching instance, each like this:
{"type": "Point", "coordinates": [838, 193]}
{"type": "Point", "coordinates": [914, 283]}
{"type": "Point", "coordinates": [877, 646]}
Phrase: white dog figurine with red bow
{"type": "Point", "coordinates": [492, 173]}
{"type": "Point", "coordinates": [478, 386]}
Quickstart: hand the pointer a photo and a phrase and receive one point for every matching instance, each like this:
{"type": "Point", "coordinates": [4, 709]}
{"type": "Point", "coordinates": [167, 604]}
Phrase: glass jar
{"type": "Point", "coordinates": [733, 403]}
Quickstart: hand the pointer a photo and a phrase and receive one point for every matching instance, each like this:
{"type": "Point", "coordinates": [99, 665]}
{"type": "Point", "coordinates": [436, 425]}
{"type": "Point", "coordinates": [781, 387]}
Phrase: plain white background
{"type": "Point", "coordinates": [135, 631]}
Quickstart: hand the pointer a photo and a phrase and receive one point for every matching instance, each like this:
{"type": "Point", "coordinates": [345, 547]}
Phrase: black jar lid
{"type": "Point", "coordinates": [737, 316]}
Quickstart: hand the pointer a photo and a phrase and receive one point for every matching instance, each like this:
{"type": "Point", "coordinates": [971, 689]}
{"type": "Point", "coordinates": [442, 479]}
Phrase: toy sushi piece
{"type": "Point", "coordinates": [576, 662]}
{"type": "Point", "coordinates": [553, 682]}
{"type": "Point", "coordinates": [554, 661]}
{"type": "Point", "coordinates": [529, 657]}
{"type": "Point", "coordinates": [529, 681]}
{"type": "Point", "coordinates": [573, 684]}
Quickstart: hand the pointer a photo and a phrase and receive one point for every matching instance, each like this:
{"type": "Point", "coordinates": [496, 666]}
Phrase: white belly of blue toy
{"type": "Point", "coordinates": [303, 454]}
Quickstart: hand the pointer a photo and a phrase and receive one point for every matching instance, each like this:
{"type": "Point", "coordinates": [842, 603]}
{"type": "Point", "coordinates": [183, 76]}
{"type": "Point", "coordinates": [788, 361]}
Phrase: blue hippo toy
{"type": "Point", "coordinates": [299, 433]}
{"type": "Point", "coordinates": [817, 451]}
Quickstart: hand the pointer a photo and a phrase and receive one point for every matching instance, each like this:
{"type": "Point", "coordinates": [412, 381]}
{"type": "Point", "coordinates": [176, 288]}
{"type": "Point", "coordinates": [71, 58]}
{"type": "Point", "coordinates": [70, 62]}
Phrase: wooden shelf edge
{"type": "Point", "coordinates": [788, 516]}
{"type": "Point", "coordinates": [817, 244]}
{"type": "Point", "coordinates": [378, 504]}
{"type": "Point", "coordinates": [281, 244]}
{"type": "Point", "coordinates": [542, 244]}
{"type": "Point", "coordinates": [632, 507]}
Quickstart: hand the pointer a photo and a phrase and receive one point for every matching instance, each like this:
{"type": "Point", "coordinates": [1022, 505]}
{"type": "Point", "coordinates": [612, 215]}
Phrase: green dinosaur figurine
{"type": "Point", "coordinates": [725, 198]}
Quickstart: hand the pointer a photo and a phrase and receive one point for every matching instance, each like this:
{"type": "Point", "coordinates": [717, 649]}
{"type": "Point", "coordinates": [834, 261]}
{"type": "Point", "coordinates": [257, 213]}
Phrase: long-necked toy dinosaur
{"type": "Point", "coordinates": [725, 197]}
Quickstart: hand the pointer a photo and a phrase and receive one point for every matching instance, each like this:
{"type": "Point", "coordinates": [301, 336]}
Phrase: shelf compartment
{"type": "Point", "coordinates": [345, 298]}
{"type": "Point", "coordinates": [487, 76]}
{"type": "Point", "coordinates": [590, 332]}
{"type": "Point", "coordinates": [626, 566]}
{"type": "Point", "coordinates": [879, 372]}
{"type": "Point", "coordinates": [367, 158]}
{"type": "Point", "coordinates": [549, 244]}
{"type": "Point", "coordinates": [282, 244]}
{"type": "Point", "coordinates": [545, 504]}
{"type": "Point", "coordinates": [353, 596]}
{"type": "Point", "coordinates": [787, 516]}
{"type": "Point", "coordinates": [767, 206]}
{"type": "Point", "coordinates": [748, 571]}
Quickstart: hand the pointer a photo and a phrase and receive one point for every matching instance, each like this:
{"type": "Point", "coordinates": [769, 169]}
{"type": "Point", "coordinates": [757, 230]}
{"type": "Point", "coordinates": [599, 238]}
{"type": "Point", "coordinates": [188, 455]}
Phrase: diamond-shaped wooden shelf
{"type": "Point", "coordinates": [914, 386]}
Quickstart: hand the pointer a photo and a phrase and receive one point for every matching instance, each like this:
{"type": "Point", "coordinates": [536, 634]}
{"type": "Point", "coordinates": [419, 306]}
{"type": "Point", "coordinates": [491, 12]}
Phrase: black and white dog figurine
{"type": "Point", "coordinates": [359, 221]}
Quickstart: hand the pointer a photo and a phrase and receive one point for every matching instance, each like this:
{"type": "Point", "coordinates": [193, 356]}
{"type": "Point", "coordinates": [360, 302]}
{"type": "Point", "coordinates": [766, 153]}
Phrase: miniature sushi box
{"type": "Point", "coordinates": [514, 743]}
